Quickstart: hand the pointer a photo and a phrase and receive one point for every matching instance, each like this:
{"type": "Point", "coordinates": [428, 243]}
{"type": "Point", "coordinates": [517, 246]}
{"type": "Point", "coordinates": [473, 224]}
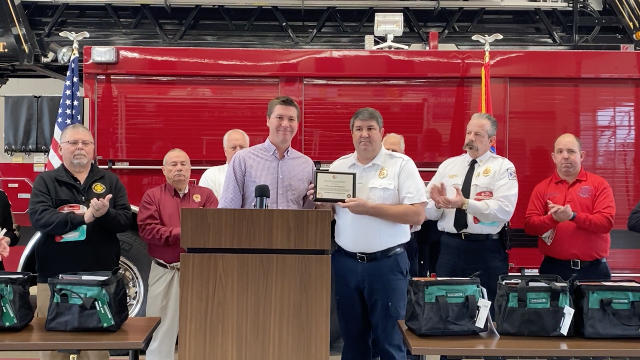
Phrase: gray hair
{"type": "Point", "coordinates": [398, 136]}
{"type": "Point", "coordinates": [164, 161]}
{"type": "Point", "coordinates": [367, 114]}
{"type": "Point", "coordinates": [74, 127]}
{"type": "Point", "coordinates": [226, 137]}
{"type": "Point", "coordinates": [493, 129]}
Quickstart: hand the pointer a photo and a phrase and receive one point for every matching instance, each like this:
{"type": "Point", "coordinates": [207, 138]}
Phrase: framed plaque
{"type": "Point", "coordinates": [331, 186]}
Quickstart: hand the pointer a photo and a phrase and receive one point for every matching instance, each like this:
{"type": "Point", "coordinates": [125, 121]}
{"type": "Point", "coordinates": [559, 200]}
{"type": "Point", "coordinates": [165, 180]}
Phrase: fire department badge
{"type": "Point", "coordinates": [486, 171]}
{"type": "Point", "coordinates": [98, 188]}
{"type": "Point", "coordinates": [585, 191]}
{"type": "Point", "coordinates": [196, 198]}
{"type": "Point", "coordinates": [383, 173]}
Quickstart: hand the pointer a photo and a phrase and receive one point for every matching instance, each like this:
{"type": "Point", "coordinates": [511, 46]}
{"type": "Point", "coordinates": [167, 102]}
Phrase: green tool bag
{"type": "Point", "coordinates": [532, 305]}
{"type": "Point", "coordinates": [443, 307]}
{"type": "Point", "coordinates": [16, 311]}
{"type": "Point", "coordinates": [607, 309]}
{"type": "Point", "coordinates": [88, 301]}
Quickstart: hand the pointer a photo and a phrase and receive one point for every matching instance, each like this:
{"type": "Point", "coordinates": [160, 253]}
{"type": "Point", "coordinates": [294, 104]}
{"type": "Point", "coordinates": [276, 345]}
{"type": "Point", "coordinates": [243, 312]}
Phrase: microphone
{"type": "Point", "coordinates": [262, 194]}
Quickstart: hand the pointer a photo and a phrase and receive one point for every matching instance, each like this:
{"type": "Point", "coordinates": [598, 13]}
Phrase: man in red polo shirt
{"type": "Point", "coordinates": [572, 212]}
{"type": "Point", "coordinates": [159, 224]}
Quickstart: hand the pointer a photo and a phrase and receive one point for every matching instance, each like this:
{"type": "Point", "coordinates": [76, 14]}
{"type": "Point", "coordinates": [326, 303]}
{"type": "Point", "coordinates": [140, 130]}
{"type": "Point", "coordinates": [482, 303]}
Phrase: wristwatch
{"type": "Point", "coordinates": [465, 204]}
{"type": "Point", "coordinates": [573, 216]}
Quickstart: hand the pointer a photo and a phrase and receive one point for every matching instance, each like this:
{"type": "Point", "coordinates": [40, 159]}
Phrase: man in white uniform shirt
{"type": "Point", "coordinates": [473, 196]}
{"type": "Point", "coordinates": [232, 142]}
{"type": "Point", "coordinates": [370, 264]}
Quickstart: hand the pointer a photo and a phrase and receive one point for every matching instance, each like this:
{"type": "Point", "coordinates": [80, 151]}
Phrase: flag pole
{"type": "Point", "coordinates": [485, 92]}
{"type": "Point", "coordinates": [69, 111]}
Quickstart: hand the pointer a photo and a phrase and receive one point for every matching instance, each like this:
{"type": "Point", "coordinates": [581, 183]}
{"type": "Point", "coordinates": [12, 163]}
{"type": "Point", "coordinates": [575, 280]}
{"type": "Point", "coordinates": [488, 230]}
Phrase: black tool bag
{"type": "Point", "coordinates": [16, 311]}
{"type": "Point", "coordinates": [88, 301]}
{"type": "Point", "coordinates": [532, 305]}
{"type": "Point", "coordinates": [609, 309]}
{"type": "Point", "coordinates": [443, 307]}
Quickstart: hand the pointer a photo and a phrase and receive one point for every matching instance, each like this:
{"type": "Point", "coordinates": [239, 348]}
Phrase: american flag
{"type": "Point", "coordinates": [69, 111]}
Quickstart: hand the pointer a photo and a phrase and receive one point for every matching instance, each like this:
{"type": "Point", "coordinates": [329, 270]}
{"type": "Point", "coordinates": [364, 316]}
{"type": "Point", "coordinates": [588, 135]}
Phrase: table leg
{"type": "Point", "coordinates": [134, 354]}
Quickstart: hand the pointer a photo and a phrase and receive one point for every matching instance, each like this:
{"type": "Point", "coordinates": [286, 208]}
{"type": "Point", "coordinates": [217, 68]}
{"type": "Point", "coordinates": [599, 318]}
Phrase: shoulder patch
{"type": "Point", "coordinates": [512, 174]}
{"type": "Point", "coordinates": [98, 188]}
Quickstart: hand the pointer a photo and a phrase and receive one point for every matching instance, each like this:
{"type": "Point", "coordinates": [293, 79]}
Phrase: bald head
{"type": "Point", "coordinates": [394, 142]}
{"type": "Point", "coordinates": [568, 137]}
{"type": "Point", "coordinates": [568, 156]}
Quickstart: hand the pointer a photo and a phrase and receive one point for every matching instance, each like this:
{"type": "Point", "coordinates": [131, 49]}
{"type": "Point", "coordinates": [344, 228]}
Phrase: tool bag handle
{"type": "Point", "coordinates": [522, 290]}
{"type": "Point", "coordinates": [472, 308]}
{"type": "Point", "coordinates": [86, 301]}
{"type": "Point", "coordinates": [635, 306]}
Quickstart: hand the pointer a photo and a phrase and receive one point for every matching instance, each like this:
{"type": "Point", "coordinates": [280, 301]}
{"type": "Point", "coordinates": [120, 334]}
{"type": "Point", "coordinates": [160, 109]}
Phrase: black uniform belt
{"type": "Point", "coordinates": [367, 257]}
{"type": "Point", "coordinates": [575, 264]}
{"type": "Point", "coordinates": [475, 237]}
{"type": "Point", "coordinates": [167, 266]}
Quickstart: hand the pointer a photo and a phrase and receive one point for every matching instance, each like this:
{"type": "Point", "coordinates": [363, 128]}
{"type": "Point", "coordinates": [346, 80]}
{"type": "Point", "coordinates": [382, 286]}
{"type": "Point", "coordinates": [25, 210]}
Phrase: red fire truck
{"type": "Point", "coordinates": [151, 100]}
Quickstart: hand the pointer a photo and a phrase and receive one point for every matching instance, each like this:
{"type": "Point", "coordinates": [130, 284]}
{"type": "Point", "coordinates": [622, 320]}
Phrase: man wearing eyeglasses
{"type": "Point", "coordinates": [79, 209]}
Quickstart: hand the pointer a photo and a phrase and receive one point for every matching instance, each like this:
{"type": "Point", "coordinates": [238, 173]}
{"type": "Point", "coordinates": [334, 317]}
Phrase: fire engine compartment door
{"type": "Point", "coordinates": [29, 122]}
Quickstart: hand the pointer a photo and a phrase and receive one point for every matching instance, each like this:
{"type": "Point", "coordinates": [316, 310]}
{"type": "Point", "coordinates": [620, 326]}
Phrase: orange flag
{"type": "Point", "coordinates": [485, 96]}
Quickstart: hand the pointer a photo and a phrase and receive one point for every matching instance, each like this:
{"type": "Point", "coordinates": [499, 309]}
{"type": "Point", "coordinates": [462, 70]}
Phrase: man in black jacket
{"type": "Point", "coordinates": [11, 235]}
{"type": "Point", "coordinates": [633, 223]}
{"type": "Point", "coordinates": [79, 208]}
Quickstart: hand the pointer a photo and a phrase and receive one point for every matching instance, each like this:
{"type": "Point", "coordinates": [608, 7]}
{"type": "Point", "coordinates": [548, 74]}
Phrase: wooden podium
{"type": "Point", "coordinates": [255, 284]}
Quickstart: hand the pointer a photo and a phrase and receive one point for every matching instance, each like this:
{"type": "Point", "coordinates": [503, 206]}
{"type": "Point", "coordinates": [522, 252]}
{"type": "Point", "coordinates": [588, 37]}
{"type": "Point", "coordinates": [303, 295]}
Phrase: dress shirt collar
{"type": "Point", "coordinates": [481, 159]}
{"type": "Point", "coordinates": [353, 160]}
{"type": "Point", "coordinates": [173, 191]}
{"type": "Point", "coordinates": [272, 150]}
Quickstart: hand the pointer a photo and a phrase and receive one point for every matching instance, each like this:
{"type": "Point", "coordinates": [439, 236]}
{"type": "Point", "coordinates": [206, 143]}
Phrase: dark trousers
{"type": "Point", "coordinates": [463, 258]}
{"type": "Point", "coordinates": [428, 238]}
{"type": "Point", "coordinates": [370, 299]}
{"type": "Point", "coordinates": [599, 271]}
{"type": "Point", "coordinates": [412, 254]}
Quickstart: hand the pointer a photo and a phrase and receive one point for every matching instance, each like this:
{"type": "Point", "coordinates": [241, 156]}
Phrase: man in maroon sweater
{"type": "Point", "coordinates": [572, 213]}
{"type": "Point", "coordinates": [159, 223]}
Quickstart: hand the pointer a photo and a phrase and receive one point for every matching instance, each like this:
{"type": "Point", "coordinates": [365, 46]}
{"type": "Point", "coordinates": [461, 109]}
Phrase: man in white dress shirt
{"type": "Point", "coordinates": [473, 196]}
{"type": "Point", "coordinates": [232, 142]}
{"type": "Point", "coordinates": [370, 263]}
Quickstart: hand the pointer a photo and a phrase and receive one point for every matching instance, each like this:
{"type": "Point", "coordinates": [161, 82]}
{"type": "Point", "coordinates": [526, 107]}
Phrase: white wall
{"type": "Point", "coordinates": [21, 87]}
